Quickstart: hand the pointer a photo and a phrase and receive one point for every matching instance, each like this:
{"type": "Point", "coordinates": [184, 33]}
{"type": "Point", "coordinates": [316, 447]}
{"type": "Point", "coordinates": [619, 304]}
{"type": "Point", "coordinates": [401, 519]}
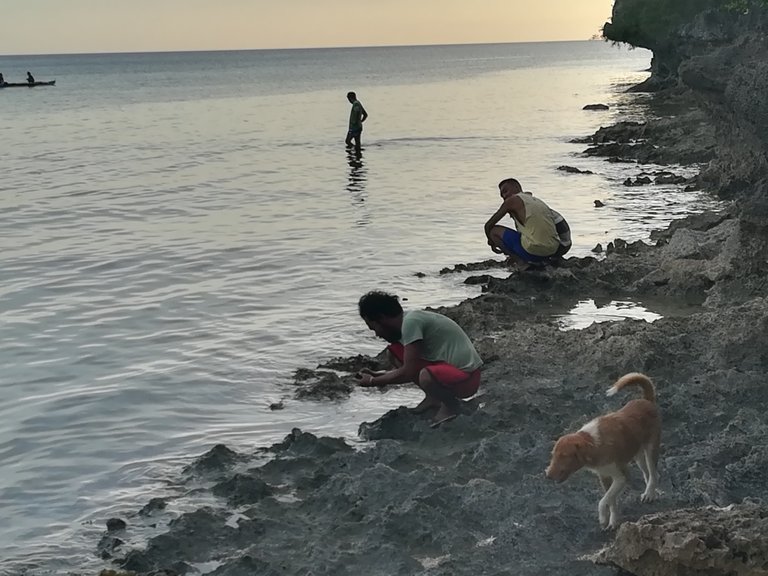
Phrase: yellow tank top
{"type": "Point", "coordinates": [538, 235]}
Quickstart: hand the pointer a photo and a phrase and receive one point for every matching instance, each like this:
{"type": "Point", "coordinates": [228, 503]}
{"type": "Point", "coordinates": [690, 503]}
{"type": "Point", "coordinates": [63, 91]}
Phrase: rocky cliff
{"type": "Point", "coordinates": [716, 54]}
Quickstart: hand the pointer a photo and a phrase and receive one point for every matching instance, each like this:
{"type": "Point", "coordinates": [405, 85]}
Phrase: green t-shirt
{"type": "Point", "coordinates": [442, 339]}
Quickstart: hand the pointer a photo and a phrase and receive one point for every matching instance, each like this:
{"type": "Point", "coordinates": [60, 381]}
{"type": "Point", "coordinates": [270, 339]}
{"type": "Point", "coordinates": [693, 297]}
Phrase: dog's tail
{"type": "Point", "coordinates": [635, 379]}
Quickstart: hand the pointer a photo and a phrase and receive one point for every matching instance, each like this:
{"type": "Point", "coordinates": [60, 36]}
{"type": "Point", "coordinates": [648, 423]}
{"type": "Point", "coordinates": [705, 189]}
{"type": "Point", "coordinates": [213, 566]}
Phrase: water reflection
{"type": "Point", "coordinates": [588, 312]}
{"type": "Point", "coordinates": [356, 184]}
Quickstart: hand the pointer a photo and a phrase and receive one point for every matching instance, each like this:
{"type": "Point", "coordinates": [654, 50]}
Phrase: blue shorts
{"type": "Point", "coordinates": [511, 239]}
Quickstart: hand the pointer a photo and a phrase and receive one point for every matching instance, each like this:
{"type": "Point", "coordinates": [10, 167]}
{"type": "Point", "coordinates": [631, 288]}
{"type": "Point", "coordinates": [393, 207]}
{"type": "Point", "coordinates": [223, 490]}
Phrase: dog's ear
{"type": "Point", "coordinates": [584, 452]}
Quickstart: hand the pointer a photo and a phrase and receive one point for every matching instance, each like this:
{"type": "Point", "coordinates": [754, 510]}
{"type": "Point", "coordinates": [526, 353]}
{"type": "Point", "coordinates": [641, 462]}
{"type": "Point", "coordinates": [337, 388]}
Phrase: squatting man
{"type": "Point", "coordinates": [428, 349]}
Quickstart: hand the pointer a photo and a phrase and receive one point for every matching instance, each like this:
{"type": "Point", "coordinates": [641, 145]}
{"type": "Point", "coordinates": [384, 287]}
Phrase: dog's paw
{"type": "Point", "coordinates": [648, 496]}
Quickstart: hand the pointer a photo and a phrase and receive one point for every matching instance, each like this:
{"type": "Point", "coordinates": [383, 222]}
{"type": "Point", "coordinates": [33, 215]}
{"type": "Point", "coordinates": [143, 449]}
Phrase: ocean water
{"type": "Point", "coordinates": [181, 231]}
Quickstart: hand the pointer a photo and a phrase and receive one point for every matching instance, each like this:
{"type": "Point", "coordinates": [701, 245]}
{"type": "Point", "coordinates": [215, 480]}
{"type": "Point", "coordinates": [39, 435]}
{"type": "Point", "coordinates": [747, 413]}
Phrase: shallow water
{"type": "Point", "coordinates": [181, 231]}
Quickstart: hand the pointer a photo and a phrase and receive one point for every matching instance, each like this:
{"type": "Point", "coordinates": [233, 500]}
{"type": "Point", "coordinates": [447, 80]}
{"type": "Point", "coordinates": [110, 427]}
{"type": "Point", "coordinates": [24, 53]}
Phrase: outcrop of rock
{"type": "Point", "coordinates": [708, 541]}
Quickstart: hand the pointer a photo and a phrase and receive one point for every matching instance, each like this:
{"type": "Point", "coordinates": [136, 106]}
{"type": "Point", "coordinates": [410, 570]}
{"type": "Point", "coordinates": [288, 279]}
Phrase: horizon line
{"type": "Point", "coordinates": [192, 51]}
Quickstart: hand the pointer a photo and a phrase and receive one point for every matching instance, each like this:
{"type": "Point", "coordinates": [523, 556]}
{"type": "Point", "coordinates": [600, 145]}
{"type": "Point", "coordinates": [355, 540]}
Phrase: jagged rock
{"type": "Point", "coordinates": [475, 266]}
{"type": "Point", "coordinates": [242, 489]}
{"type": "Point", "coordinates": [598, 249]}
{"type": "Point", "coordinates": [116, 524]}
{"type": "Point", "coordinates": [481, 279]}
{"type": "Point", "coordinates": [350, 364]}
{"type": "Point", "coordinates": [215, 461]}
{"type": "Point", "coordinates": [154, 505]}
{"type": "Point", "coordinates": [596, 107]}
{"type": "Point", "coordinates": [599, 204]}
{"type": "Point", "coordinates": [319, 384]}
{"type": "Point", "coordinates": [107, 546]}
{"type": "Point", "coordinates": [707, 541]}
{"type": "Point", "coordinates": [574, 170]}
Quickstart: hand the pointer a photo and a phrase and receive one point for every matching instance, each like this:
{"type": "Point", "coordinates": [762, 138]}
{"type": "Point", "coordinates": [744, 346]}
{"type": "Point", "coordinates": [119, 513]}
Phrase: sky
{"type": "Point", "coordinates": [76, 26]}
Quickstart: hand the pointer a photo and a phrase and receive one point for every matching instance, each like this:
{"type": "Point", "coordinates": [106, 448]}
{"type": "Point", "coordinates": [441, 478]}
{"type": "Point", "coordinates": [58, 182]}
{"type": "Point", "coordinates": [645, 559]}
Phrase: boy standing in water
{"type": "Point", "coordinates": [429, 349]}
{"type": "Point", "coordinates": [356, 118]}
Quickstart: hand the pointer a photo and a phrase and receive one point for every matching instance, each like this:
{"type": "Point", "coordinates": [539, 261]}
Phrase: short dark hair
{"type": "Point", "coordinates": [512, 181]}
{"type": "Point", "coordinates": [351, 95]}
{"type": "Point", "coordinates": [377, 304]}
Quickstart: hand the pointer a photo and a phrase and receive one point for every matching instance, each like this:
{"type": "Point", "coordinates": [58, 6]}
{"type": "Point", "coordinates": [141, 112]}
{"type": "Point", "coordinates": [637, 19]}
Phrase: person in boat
{"type": "Point", "coordinates": [426, 348]}
{"type": "Point", "coordinates": [535, 241]}
{"type": "Point", "coordinates": [30, 78]}
{"type": "Point", "coordinates": [356, 118]}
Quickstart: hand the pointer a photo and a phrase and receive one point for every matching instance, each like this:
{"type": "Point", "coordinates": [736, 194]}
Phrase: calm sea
{"type": "Point", "coordinates": [180, 231]}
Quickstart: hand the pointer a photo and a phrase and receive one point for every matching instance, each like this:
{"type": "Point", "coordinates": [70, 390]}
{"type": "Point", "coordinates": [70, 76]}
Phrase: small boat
{"type": "Point", "coordinates": [27, 84]}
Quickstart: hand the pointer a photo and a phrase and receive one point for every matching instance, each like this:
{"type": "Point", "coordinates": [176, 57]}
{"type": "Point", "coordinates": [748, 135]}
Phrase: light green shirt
{"type": "Point", "coordinates": [442, 339]}
{"type": "Point", "coordinates": [538, 235]}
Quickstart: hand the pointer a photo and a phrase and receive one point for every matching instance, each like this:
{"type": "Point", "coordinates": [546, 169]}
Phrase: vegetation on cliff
{"type": "Point", "coordinates": [650, 23]}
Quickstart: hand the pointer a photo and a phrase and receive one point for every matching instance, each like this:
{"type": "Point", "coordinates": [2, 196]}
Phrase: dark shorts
{"type": "Point", "coordinates": [462, 384]}
{"type": "Point", "coordinates": [512, 240]}
{"type": "Point", "coordinates": [353, 133]}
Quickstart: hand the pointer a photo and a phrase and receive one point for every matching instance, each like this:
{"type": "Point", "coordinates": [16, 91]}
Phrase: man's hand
{"type": "Point", "coordinates": [365, 379]}
{"type": "Point", "coordinates": [494, 248]}
{"type": "Point", "coordinates": [371, 372]}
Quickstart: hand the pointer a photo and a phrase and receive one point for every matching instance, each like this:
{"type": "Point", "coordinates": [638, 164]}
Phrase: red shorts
{"type": "Point", "coordinates": [463, 384]}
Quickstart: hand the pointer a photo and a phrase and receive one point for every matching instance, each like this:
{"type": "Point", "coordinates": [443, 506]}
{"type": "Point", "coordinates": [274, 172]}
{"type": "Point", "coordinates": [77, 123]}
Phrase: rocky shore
{"type": "Point", "coordinates": [471, 497]}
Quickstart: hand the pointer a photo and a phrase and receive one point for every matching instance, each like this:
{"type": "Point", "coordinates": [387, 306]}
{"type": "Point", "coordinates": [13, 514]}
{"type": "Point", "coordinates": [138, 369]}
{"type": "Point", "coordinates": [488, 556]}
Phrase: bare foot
{"type": "Point", "coordinates": [425, 405]}
{"type": "Point", "coordinates": [445, 414]}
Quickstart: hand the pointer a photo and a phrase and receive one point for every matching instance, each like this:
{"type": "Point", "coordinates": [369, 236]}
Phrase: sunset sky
{"type": "Point", "coordinates": [67, 26]}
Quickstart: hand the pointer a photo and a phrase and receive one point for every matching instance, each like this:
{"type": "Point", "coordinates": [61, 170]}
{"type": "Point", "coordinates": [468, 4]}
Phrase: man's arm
{"type": "Point", "coordinates": [498, 215]}
{"type": "Point", "coordinates": [408, 372]}
{"type": "Point", "coordinates": [364, 114]}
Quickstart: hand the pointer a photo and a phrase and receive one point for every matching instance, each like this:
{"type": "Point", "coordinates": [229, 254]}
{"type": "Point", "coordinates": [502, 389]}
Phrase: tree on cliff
{"type": "Point", "coordinates": [646, 23]}
{"type": "Point", "coordinates": [650, 23]}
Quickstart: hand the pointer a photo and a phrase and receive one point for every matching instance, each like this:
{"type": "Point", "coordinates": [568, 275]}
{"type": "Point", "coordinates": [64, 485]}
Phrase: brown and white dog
{"type": "Point", "coordinates": [607, 445]}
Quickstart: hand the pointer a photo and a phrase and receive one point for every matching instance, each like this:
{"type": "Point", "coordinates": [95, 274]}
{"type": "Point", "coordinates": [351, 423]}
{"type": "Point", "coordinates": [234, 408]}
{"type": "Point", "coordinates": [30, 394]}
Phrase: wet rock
{"type": "Point", "coordinates": [189, 538]}
{"type": "Point", "coordinates": [481, 279]}
{"type": "Point", "coordinates": [352, 364]}
{"type": "Point", "coordinates": [154, 505]}
{"type": "Point", "coordinates": [242, 489]}
{"type": "Point", "coordinates": [709, 541]}
{"type": "Point", "coordinates": [598, 249]}
{"type": "Point", "coordinates": [116, 524]}
{"type": "Point", "coordinates": [419, 274]}
{"type": "Point", "coordinates": [398, 424]}
{"type": "Point", "coordinates": [247, 565]}
{"type": "Point", "coordinates": [322, 385]}
{"type": "Point", "coordinates": [475, 266]}
{"type": "Point", "coordinates": [307, 444]}
{"type": "Point", "coordinates": [638, 181]}
{"type": "Point", "coordinates": [277, 406]}
{"type": "Point", "coordinates": [595, 107]}
{"type": "Point", "coordinates": [669, 178]}
{"type": "Point", "coordinates": [107, 546]}
{"type": "Point", "coordinates": [574, 170]}
{"type": "Point", "coordinates": [216, 460]}
{"type": "Point", "coordinates": [599, 204]}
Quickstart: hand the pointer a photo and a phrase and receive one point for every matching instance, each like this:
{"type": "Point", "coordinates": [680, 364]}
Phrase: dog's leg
{"type": "Point", "coordinates": [608, 509]}
{"type": "Point", "coordinates": [640, 461]}
{"type": "Point", "coordinates": [605, 482]}
{"type": "Point", "coordinates": [651, 453]}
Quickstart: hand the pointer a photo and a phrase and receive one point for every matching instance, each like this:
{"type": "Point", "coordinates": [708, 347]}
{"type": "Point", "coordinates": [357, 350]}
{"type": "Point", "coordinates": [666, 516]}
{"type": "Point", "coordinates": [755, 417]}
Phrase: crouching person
{"type": "Point", "coordinates": [429, 349]}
